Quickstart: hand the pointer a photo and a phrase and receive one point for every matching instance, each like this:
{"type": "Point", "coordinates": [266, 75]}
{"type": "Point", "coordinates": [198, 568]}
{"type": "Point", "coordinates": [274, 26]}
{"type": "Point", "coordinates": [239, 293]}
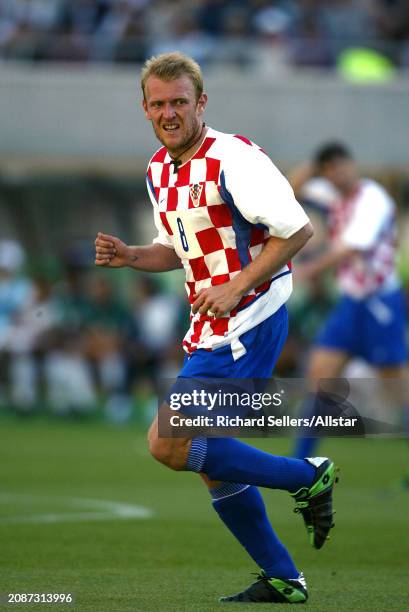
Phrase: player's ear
{"type": "Point", "coordinates": [145, 108]}
{"type": "Point", "coordinates": [201, 103]}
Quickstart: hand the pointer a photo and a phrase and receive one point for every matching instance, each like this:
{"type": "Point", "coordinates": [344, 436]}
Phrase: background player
{"type": "Point", "coordinates": [368, 320]}
{"type": "Point", "coordinates": [224, 212]}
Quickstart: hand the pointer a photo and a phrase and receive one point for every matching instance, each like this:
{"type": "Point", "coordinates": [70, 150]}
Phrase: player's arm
{"type": "Point", "coordinates": [111, 252]}
{"type": "Point", "coordinates": [328, 260]}
{"type": "Point", "coordinates": [275, 254]}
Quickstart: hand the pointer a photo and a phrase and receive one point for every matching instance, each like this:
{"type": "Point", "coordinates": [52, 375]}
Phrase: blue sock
{"type": "Point", "coordinates": [242, 510]}
{"type": "Point", "coordinates": [230, 460]}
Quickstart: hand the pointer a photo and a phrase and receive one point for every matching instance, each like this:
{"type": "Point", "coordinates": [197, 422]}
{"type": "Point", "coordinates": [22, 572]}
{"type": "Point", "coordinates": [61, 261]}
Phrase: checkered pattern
{"type": "Point", "coordinates": [373, 269]}
{"type": "Point", "coordinates": [200, 224]}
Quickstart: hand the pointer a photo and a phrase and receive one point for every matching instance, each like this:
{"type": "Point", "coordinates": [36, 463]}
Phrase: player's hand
{"type": "Point", "coordinates": [110, 251]}
{"type": "Point", "coordinates": [216, 301]}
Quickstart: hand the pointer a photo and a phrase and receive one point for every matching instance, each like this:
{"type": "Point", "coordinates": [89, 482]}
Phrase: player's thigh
{"type": "Point", "coordinates": [326, 363]}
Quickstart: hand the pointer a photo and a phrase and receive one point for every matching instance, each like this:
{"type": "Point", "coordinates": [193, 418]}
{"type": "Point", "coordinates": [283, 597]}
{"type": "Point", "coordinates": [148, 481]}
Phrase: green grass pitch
{"type": "Point", "coordinates": [182, 559]}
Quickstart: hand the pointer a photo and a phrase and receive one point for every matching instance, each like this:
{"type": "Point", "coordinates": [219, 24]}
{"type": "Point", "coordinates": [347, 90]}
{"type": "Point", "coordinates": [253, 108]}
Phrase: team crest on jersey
{"type": "Point", "coordinates": [195, 193]}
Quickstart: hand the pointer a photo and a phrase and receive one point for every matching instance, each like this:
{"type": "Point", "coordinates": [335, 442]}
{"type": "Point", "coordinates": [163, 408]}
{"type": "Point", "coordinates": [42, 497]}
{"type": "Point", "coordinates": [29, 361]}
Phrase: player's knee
{"type": "Point", "coordinates": [315, 373]}
{"type": "Point", "coordinates": [156, 447]}
{"type": "Point", "coordinates": [159, 451]}
{"type": "Point", "coordinates": [164, 451]}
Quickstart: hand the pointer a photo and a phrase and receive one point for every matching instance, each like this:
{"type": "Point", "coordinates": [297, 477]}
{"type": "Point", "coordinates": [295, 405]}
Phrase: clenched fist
{"type": "Point", "coordinates": [111, 252]}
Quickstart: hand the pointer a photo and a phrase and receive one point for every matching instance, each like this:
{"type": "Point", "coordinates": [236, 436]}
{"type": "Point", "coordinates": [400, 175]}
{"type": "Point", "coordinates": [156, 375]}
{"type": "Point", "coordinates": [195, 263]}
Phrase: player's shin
{"type": "Point", "coordinates": [241, 508]}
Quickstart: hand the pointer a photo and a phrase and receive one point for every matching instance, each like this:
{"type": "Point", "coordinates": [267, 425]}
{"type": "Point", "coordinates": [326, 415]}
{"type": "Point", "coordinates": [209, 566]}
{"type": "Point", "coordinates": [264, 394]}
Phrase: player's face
{"type": "Point", "coordinates": [173, 110]}
{"type": "Point", "coordinates": [341, 173]}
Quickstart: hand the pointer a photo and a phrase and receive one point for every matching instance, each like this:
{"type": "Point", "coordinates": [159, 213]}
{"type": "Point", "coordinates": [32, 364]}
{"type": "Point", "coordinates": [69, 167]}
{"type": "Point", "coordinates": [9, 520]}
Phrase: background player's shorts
{"type": "Point", "coordinates": [263, 346]}
{"type": "Point", "coordinates": [373, 328]}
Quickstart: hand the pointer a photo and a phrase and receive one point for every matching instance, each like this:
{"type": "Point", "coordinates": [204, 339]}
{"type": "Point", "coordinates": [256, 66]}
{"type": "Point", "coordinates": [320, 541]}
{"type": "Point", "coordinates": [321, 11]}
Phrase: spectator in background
{"type": "Point", "coordinates": [157, 323]}
{"type": "Point", "coordinates": [159, 18]}
{"type": "Point", "coordinates": [213, 31]}
{"type": "Point", "coordinates": [28, 338]}
{"type": "Point", "coordinates": [132, 47]}
{"type": "Point", "coordinates": [89, 361]}
{"type": "Point", "coordinates": [185, 35]}
{"type": "Point", "coordinates": [347, 24]}
{"type": "Point", "coordinates": [310, 44]}
{"type": "Point", "coordinates": [84, 16]}
{"type": "Point", "coordinates": [106, 325]}
{"type": "Point", "coordinates": [8, 24]}
{"type": "Point", "coordinates": [69, 383]}
{"type": "Point", "coordinates": [76, 24]}
{"type": "Point", "coordinates": [71, 297]}
{"type": "Point", "coordinates": [271, 23]}
{"type": "Point", "coordinates": [25, 26]}
{"type": "Point", "coordinates": [16, 291]}
{"type": "Point", "coordinates": [109, 31]}
{"type": "Point", "coordinates": [121, 33]}
{"type": "Point", "coordinates": [391, 18]}
{"type": "Point", "coordinates": [211, 15]}
{"type": "Point", "coordinates": [235, 47]}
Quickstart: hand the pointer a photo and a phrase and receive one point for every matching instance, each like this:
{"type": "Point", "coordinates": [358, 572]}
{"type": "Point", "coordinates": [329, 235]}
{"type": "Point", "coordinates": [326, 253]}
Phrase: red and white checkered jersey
{"type": "Point", "coordinates": [366, 222]}
{"type": "Point", "coordinates": [217, 212]}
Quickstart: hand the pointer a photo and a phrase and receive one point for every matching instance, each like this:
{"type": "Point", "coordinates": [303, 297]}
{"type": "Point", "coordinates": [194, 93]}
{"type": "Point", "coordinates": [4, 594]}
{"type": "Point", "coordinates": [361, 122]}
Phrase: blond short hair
{"type": "Point", "coordinates": [170, 66]}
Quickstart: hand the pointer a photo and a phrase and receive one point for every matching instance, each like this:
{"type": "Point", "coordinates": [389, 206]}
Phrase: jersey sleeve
{"type": "Point", "coordinates": [261, 193]}
{"type": "Point", "coordinates": [163, 236]}
{"type": "Point", "coordinates": [373, 211]}
{"type": "Point", "coordinates": [320, 193]}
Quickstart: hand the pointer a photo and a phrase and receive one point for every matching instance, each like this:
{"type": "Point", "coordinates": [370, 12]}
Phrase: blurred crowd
{"type": "Point", "coordinates": [272, 34]}
{"type": "Point", "coordinates": [77, 343]}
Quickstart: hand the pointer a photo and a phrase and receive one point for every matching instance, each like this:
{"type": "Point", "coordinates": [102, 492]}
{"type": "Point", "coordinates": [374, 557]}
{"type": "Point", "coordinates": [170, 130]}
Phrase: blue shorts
{"type": "Point", "coordinates": [214, 371]}
{"type": "Point", "coordinates": [373, 329]}
{"type": "Point", "coordinates": [263, 346]}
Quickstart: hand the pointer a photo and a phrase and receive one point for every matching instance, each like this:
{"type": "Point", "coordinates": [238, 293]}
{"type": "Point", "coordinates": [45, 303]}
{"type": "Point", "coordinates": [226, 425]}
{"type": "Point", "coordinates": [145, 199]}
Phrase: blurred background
{"type": "Point", "coordinates": [77, 342]}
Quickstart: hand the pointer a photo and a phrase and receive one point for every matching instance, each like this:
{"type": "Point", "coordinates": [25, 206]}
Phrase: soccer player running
{"type": "Point", "coordinates": [368, 320]}
{"type": "Point", "coordinates": [225, 213]}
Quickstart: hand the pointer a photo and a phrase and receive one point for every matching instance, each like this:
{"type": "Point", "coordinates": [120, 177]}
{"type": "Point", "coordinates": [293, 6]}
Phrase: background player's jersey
{"type": "Point", "coordinates": [217, 212]}
{"type": "Point", "coordinates": [366, 222]}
